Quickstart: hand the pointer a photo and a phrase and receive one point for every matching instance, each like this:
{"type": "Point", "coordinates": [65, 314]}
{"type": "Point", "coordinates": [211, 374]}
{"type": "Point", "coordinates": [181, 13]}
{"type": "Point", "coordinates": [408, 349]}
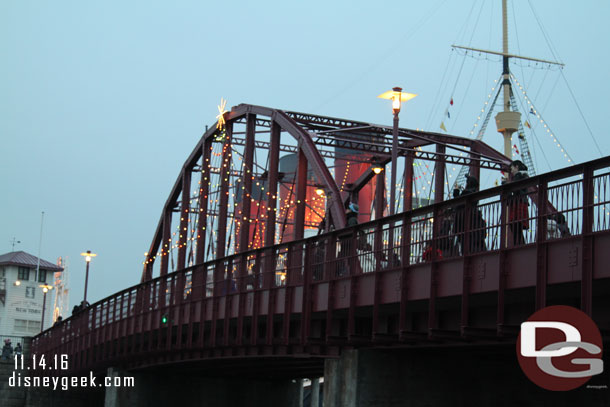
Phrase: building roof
{"type": "Point", "coordinates": [24, 259]}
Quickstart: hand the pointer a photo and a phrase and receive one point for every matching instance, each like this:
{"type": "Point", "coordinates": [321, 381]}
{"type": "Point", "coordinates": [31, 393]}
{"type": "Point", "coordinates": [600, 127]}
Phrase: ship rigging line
{"type": "Point", "coordinates": [550, 45]}
{"type": "Point", "coordinates": [582, 115]}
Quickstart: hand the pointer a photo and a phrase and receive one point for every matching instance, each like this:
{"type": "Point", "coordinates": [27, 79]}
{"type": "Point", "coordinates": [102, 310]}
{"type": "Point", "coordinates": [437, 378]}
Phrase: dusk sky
{"type": "Point", "coordinates": [102, 102]}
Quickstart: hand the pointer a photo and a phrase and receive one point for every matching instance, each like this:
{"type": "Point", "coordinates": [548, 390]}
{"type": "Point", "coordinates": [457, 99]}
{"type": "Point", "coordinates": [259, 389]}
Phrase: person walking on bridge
{"type": "Point", "coordinates": [518, 214]}
{"type": "Point", "coordinates": [477, 225]}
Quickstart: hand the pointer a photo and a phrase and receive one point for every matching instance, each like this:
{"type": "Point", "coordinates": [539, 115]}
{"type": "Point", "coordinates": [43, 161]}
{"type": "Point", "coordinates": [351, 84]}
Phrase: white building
{"type": "Point", "coordinates": [21, 296]}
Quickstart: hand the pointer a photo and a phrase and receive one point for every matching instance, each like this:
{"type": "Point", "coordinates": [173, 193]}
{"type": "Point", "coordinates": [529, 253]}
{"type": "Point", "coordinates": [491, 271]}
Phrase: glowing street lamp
{"type": "Point", "coordinates": [88, 256]}
{"type": "Point", "coordinates": [397, 96]}
{"type": "Point", "coordinates": [377, 169]}
{"type": "Point", "coordinates": [45, 290]}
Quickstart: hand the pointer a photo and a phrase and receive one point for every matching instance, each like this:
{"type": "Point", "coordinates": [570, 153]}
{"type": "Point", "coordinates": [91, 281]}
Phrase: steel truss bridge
{"type": "Point", "coordinates": [230, 282]}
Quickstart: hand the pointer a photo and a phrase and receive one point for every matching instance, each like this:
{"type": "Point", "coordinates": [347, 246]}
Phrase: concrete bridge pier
{"type": "Point", "coordinates": [452, 376]}
{"type": "Point", "coordinates": [165, 388]}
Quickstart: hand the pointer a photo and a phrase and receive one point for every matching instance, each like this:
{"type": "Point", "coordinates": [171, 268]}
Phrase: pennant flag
{"type": "Point", "coordinates": [451, 102]}
{"type": "Point", "coordinates": [443, 126]}
{"type": "Point", "coordinates": [532, 110]}
{"type": "Point", "coordinates": [528, 124]}
{"type": "Point", "coordinates": [448, 115]}
{"type": "Point", "coordinates": [516, 149]}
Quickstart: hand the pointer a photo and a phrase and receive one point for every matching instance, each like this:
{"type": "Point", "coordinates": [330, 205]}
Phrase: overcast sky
{"type": "Point", "coordinates": [102, 102]}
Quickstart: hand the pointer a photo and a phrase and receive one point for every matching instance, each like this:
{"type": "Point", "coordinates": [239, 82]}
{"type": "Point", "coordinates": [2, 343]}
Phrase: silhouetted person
{"type": "Point", "coordinates": [446, 241]}
{"type": "Point", "coordinates": [518, 214]}
{"type": "Point", "coordinates": [556, 226]}
{"type": "Point", "coordinates": [7, 350]}
{"type": "Point", "coordinates": [351, 215]}
{"type": "Point", "coordinates": [477, 222]}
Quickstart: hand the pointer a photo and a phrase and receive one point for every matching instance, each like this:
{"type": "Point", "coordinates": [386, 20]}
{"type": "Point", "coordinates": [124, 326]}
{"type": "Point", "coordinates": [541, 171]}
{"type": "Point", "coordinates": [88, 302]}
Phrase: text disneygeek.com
{"type": "Point", "coordinates": [67, 382]}
{"type": "Point", "coordinates": [58, 363]}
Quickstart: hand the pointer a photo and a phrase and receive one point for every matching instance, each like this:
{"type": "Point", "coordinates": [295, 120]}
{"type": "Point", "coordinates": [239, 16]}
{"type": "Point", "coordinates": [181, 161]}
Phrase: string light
{"type": "Point", "coordinates": [533, 110]}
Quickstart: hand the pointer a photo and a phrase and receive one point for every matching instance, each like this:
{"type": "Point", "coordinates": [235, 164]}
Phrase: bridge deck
{"type": "Point", "coordinates": [405, 280]}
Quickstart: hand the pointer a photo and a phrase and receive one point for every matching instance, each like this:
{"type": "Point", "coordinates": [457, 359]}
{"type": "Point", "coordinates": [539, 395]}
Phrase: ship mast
{"type": "Point", "coordinates": [507, 121]}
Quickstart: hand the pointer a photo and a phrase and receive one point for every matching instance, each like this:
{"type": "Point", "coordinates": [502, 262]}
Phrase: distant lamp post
{"type": "Point", "coordinates": [45, 290]}
{"type": "Point", "coordinates": [397, 96]}
{"type": "Point", "coordinates": [88, 256]}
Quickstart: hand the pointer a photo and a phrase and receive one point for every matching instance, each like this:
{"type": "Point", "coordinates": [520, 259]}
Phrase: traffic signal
{"type": "Point", "coordinates": [164, 319]}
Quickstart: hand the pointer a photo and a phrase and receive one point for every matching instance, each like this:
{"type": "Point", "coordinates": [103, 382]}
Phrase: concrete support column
{"type": "Point", "coordinates": [315, 392]}
{"type": "Point", "coordinates": [452, 376]}
{"type": "Point", "coordinates": [340, 380]}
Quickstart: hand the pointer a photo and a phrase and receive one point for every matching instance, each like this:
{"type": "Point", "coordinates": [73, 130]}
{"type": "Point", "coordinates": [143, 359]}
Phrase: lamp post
{"type": "Point", "coordinates": [397, 96]}
{"type": "Point", "coordinates": [88, 256]}
{"type": "Point", "coordinates": [45, 288]}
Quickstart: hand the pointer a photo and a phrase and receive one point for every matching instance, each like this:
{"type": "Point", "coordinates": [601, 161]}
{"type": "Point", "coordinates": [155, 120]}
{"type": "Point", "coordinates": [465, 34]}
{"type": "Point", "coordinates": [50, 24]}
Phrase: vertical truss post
{"type": "Point", "coordinates": [246, 196]}
{"type": "Point", "coordinates": [204, 190]}
{"type": "Point", "coordinates": [274, 159]}
{"type": "Point", "coordinates": [439, 174]}
{"type": "Point", "coordinates": [221, 241]}
{"type": "Point", "coordinates": [504, 267]}
{"type": "Point", "coordinates": [274, 154]}
{"type": "Point", "coordinates": [407, 206]}
{"type": "Point", "coordinates": [166, 241]}
{"type": "Point", "coordinates": [541, 246]}
{"type": "Point", "coordinates": [200, 273]}
{"type": "Point", "coordinates": [184, 218]}
{"type": "Point", "coordinates": [148, 267]}
{"type": "Point", "coordinates": [244, 231]}
{"type": "Point", "coordinates": [408, 183]}
{"type": "Point", "coordinates": [394, 163]}
{"type": "Point", "coordinates": [379, 194]}
{"type": "Point", "coordinates": [586, 287]}
{"type": "Point", "coordinates": [475, 163]}
{"type": "Point", "coordinates": [224, 193]}
{"type": "Point", "coordinates": [301, 195]}
{"type": "Point", "coordinates": [379, 206]}
{"type": "Point", "coordinates": [378, 246]}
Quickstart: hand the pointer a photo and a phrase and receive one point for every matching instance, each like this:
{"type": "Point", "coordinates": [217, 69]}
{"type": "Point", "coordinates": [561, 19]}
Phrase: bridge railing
{"type": "Point", "coordinates": [574, 201]}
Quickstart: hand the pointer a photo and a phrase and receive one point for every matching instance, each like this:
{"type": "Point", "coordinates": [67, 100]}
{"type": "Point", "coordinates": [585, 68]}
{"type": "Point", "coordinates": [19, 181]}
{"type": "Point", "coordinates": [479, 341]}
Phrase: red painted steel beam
{"type": "Point", "coordinates": [204, 190]}
{"type": "Point", "coordinates": [184, 218]}
{"type": "Point", "coordinates": [408, 183]}
{"type": "Point", "coordinates": [587, 255]}
{"type": "Point", "coordinates": [503, 267]}
{"type": "Point", "coordinates": [166, 242]}
{"type": "Point", "coordinates": [301, 195]}
{"type": "Point", "coordinates": [274, 155]}
{"type": "Point", "coordinates": [173, 196]}
{"type": "Point", "coordinates": [541, 246]}
{"type": "Point", "coordinates": [475, 165]}
{"type": "Point", "coordinates": [316, 161]}
{"type": "Point", "coordinates": [221, 241]}
{"type": "Point", "coordinates": [364, 178]}
{"type": "Point", "coordinates": [248, 171]}
{"type": "Point", "coordinates": [439, 176]}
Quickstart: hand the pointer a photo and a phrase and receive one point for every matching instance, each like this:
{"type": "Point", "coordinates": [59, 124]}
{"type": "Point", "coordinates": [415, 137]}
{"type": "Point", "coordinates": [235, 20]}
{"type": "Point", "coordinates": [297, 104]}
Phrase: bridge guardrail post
{"type": "Point", "coordinates": [588, 202]}
{"type": "Point", "coordinates": [541, 246]}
